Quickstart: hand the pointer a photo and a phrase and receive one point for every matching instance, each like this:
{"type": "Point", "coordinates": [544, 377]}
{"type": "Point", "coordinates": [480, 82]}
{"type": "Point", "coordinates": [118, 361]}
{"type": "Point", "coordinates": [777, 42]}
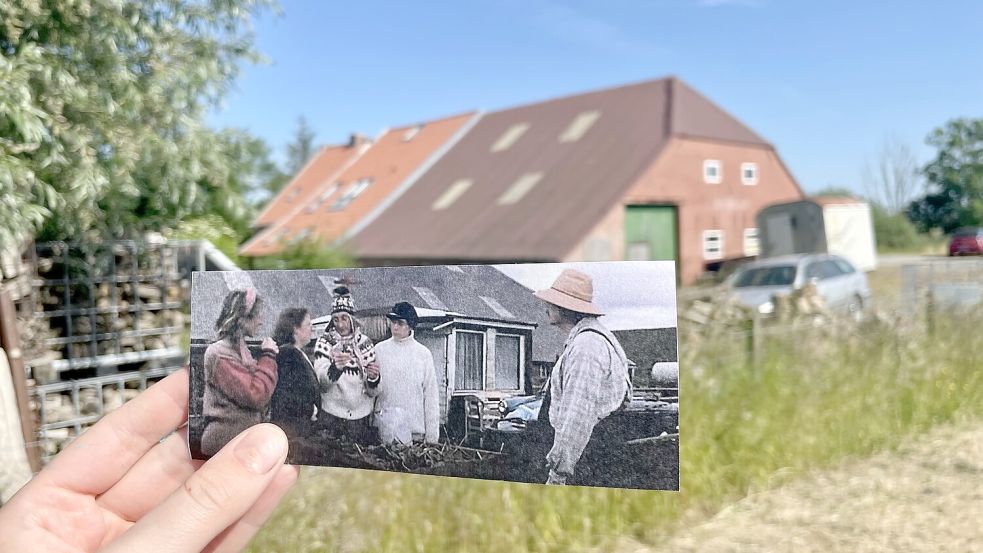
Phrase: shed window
{"type": "Point", "coordinates": [713, 244]}
{"type": "Point", "coordinates": [712, 171]}
{"type": "Point", "coordinates": [507, 361]}
{"type": "Point", "coordinates": [469, 373]}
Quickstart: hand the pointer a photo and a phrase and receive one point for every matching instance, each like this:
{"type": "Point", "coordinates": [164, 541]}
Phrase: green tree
{"type": "Point", "coordinates": [836, 191]}
{"type": "Point", "coordinates": [894, 232]}
{"type": "Point", "coordinates": [308, 253]}
{"type": "Point", "coordinates": [955, 178]}
{"type": "Point", "coordinates": [101, 113]}
{"type": "Point", "coordinates": [301, 148]}
{"type": "Point", "coordinates": [213, 228]}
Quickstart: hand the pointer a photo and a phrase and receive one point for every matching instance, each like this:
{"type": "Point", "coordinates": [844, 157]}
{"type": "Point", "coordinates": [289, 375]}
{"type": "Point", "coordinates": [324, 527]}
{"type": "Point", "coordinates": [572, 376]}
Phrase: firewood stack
{"type": "Point", "coordinates": [107, 304]}
{"type": "Point", "coordinates": [15, 272]}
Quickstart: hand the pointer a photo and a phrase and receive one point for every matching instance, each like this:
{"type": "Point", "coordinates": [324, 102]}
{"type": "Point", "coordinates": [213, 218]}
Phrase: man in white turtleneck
{"type": "Point", "coordinates": [406, 408]}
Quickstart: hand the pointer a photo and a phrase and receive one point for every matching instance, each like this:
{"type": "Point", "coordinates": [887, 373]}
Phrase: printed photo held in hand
{"type": "Point", "coordinates": [562, 374]}
{"type": "Point", "coordinates": [128, 484]}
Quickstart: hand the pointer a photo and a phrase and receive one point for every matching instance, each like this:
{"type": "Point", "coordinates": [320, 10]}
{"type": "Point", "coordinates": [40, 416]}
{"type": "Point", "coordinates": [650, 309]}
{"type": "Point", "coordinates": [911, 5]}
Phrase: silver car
{"type": "Point", "coordinates": [838, 282]}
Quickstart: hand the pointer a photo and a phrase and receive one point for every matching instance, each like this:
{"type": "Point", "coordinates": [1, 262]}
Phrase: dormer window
{"type": "Point", "coordinates": [411, 133]}
{"type": "Point", "coordinates": [509, 137]}
{"type": "Point", "coordinates": [579, 126]}
{"type": "Point", "coordinates": [520, 188]}
{"type": "Point", "coordinates": [323, 197]}
{"type": "Point", "coordinates": [353, 191]}
{"type": "Point", "coordinates": [452, 193]}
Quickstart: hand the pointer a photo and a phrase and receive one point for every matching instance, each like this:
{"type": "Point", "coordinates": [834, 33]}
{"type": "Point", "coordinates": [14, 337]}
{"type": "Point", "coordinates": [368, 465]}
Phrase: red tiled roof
{"type": "Point", "coordinates": [387, 163]}
{"type": "Point", "coordinates": [580, 180]}
{"type": "Point", "coordinates": [322, 167]}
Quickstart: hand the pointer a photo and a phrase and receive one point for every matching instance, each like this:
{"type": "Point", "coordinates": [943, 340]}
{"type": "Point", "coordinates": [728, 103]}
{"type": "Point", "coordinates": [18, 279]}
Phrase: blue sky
{"type": "Point", "coordinates": [825, 82]}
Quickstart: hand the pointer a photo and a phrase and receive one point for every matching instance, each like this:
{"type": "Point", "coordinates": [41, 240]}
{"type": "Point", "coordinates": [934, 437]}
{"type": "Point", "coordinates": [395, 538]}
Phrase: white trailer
{"type": "Point", "coordinates": [835, 225]}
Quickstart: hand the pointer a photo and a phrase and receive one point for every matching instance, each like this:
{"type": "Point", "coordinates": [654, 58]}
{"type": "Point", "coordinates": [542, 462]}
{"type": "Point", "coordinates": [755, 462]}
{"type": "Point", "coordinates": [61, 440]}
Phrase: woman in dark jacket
{"type": "Point", "coordinates": [297, 396]}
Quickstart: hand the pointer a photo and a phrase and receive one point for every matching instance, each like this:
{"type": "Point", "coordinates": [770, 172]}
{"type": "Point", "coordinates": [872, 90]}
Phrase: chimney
{"type": "Point", "coordinates": [357, 140]}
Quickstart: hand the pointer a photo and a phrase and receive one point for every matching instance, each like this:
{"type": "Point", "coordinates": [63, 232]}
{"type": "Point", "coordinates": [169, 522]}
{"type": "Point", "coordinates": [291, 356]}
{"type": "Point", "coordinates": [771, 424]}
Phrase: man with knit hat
{"type": "Point", "coordinates": [589, 381]}
{"type": "Point", "coordinates": [407, 409]}
{"type": "Point", "coordinates": [345, 362]}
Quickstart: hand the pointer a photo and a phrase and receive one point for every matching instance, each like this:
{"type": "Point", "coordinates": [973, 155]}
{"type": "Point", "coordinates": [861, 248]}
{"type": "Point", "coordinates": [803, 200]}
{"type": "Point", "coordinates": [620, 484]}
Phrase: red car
{"type": "Point", "coordinates": [967, 241]}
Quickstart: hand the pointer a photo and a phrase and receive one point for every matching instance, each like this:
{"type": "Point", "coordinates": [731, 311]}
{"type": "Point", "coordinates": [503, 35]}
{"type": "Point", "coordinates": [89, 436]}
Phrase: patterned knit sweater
{"type": "Point", "coordinates": [345, 391]}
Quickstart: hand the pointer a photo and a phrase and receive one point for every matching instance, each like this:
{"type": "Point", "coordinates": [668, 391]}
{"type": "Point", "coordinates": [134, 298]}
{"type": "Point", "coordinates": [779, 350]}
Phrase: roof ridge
{"type": "Point", "coordinates": [702, 97]}
{"type": "Point", "coordinates": [289, 216]}
{"type": "Point", "coordinates": [598, 90]}
{"type": "Point", "coordinates": [432, 121]}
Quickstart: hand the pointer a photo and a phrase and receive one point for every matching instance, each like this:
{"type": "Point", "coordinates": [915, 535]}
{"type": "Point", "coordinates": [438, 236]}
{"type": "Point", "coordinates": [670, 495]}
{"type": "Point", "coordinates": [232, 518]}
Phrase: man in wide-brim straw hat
{"type": "Point", "coordinates": [589, 381]}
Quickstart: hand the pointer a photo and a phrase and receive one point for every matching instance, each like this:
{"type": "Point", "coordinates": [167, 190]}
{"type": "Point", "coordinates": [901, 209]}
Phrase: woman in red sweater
{"type": "Point", "coordinates": [238, 387]}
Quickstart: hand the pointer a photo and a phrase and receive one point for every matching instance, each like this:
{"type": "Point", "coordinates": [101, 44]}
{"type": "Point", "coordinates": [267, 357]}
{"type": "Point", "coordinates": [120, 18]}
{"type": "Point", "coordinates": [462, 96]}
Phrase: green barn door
{"type": "Point", "coordinates": [650, 232]}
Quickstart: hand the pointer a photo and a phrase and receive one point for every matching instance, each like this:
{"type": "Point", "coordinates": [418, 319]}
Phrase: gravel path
{"type": "Point", "coordinates": [927, 496]}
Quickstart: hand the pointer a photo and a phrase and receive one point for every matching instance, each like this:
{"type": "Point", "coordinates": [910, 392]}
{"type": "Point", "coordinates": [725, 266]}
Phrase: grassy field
{"type": "Point", "coordinates": [813, 398]}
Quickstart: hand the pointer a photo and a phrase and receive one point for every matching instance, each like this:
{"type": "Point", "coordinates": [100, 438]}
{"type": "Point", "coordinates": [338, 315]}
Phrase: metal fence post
{"type": "Point", "coordinates": [753, 339]}
{"type": "Point", "coordinates": [10, 341]}
{"type": "Point", "coordinates": [930, 313]}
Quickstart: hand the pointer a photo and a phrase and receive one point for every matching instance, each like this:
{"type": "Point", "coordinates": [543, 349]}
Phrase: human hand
{"type": "Point", "coordinates": [119, 487]}
{"type": "Point", "coordinates": [340, 358]}
{"type": "Point", "coordinates": [269, 344]}
{"type": "Point", "coordinates": [372, 371]}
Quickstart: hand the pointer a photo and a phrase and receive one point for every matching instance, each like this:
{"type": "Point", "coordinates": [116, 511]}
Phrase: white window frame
{"type": "Point", "coordinates": [717, 236]}
{"type": "Point", "coordinates": [715, 163]}
{"type": "Point", "coordinates": [321, 198]}
{"type": "Point", "coordinates": [411, 133]}
{"type": "Point", "coordinates": [354, 190]}
{"type": "Point", "coordinates": [522, 361]}
{"type": "Point", "coordinates": [751, 233]}
{"type": "Point", "coordinates": [484, 360]}
{"type": "Point", "coordinates": [749, 181]}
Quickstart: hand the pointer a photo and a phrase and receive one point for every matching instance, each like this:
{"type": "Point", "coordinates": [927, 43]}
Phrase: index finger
{"type": "Point", "coordinates": [104, 453]}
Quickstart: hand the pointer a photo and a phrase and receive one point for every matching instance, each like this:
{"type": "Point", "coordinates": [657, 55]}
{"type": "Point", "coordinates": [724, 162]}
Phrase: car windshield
{"type": "Point", "coordinates": [779, 275]}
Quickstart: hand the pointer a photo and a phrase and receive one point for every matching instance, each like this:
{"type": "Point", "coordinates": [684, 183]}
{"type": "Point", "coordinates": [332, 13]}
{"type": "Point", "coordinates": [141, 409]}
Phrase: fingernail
{"type": "Point", "coordinates": [261, 449]}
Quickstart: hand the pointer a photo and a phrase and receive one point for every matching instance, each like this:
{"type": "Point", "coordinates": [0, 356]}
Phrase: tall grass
{"type": "Point", "coordinates": [812, 398]}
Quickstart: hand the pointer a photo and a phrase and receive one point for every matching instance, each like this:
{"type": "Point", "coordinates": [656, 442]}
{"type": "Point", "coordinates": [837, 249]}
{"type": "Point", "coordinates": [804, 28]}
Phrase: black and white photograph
{"type": "Point", "coordinates": [551, 373]}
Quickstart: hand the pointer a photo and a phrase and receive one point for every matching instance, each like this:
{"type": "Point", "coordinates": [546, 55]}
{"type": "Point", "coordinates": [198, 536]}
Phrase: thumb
{"type": "Point", "coordinates": [214, 498]}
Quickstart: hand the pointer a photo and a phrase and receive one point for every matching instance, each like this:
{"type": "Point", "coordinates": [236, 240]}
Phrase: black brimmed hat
{"type": "Point", "coordinates": [405, 311]}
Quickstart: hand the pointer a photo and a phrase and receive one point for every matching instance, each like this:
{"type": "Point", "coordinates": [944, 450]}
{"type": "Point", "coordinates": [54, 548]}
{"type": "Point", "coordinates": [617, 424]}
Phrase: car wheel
{"type": "Point", "coordinates": [855, 309]}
